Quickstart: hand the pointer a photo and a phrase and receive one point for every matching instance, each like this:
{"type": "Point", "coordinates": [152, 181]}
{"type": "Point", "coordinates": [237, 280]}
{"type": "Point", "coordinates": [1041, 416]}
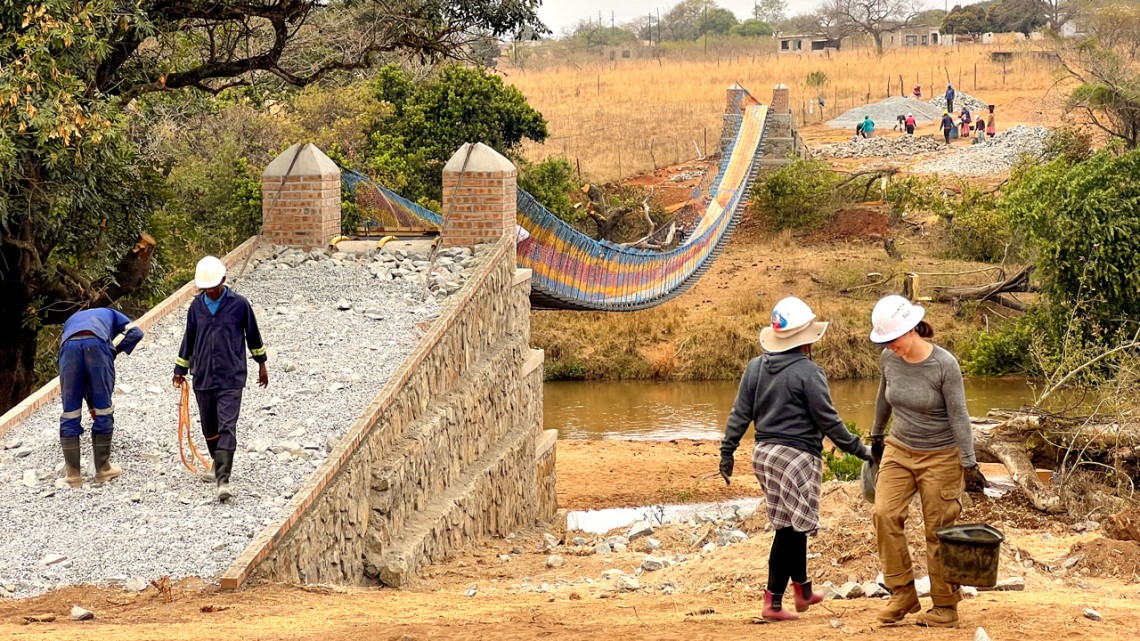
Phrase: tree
{"type": "Point", "coordinates": [75, 192]}
{"type": "Point", "coordinates": [1105, 65]}
{"type": "Point", "coordinates": [873, 17]}
{"type": "Point", "coordinates": [595, 34]}
{"type": "Point", "coordinates": [1020, 16]}
{"type": "Point", "coordinates": [430, 120]}
{"type": "Point", "coordinates": [752, 28]}
{"type": "Point", "coordinates": [962, 20]}
{"type": "Point", "coordinates": [683, 21]}
{"type": "Point", "coordinates": [770, 11]}
{"type": "Point", "coordinates": [718, 21]}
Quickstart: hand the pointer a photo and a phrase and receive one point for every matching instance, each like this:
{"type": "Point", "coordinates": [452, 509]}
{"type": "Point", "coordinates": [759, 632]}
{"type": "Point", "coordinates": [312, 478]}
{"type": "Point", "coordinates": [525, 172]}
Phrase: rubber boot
{"type": "Point", "coordinates": [805, 598]}
{"type": "Point", "coordinates": [223, 463]}
{"type": "Point", "coordinates": [71, 462]}
{"type": "Point", "coordinates": [208, 476]}
{"type": "Point", "coordinates": [940, 616]}
{"type": "Point", "coordinates": [773, 612]}
{"type": "Point", "coordinates": [105, 470]}
{"type": "Point", "coordinates": [903, 601]}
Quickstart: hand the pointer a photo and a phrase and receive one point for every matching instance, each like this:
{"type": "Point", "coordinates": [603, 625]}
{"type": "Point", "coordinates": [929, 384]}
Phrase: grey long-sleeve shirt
{"type": "Point", "coordinates": [928, 400]}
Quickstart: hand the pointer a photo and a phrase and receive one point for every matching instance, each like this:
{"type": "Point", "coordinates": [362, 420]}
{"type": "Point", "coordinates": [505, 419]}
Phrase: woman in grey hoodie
{"type": "Point", "coordinates": [785, 396]}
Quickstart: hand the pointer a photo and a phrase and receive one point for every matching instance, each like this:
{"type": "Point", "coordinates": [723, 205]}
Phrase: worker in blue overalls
{"type": "Point", "coordinates": [87, 373]}
{"type": "Point", "coordinates": [219, 325]}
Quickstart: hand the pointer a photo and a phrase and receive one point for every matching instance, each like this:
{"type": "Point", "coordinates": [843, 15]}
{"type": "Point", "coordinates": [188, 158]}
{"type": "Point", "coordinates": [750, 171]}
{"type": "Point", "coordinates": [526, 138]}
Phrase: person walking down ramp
{"type": "Point", "coordinates": [929, 451]}
{"type": "Point", "coordinates": [786, 398]}
{"type": "Point", "coordinates": [950, 95]}
{"type": "Point", "coordinates": [219, 326]}
{"type": "Point", "coordinates": [87, 373]}
{"type": "Point", "coordinates": [947, 126]}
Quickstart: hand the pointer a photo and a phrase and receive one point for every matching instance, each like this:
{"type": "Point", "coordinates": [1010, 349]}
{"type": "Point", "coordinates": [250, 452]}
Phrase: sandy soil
{"type": "Point", "coordinates": [716, 595]}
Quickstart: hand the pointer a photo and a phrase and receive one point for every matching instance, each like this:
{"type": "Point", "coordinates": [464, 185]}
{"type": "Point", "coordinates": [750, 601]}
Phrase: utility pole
{"type": "Point", "coordinates": [705, 25]}
{"type": "Point", "coordinates": [658, 25]}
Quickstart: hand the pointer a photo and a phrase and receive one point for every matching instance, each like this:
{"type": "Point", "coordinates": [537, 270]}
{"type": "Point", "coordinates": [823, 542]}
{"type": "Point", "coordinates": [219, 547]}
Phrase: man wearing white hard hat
{"type": "Point", "coordinates": [219, 326]}
{"type": "Point", "coordinates": [929, 451]}
{"type": "Point", "coordinates": [785, 396]}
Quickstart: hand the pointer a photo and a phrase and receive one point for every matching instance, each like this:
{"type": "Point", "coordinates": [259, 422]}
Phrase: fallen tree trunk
{"type": "Point", "coordinates": [1064, 442]}
{"type": "Point", "coordinates": [1019, 282]}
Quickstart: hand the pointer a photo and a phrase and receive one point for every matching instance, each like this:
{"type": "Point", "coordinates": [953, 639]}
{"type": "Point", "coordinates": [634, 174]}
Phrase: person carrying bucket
{"type": "Point", "coordinates": [929, 451]}
{"type": "Point", "coordinates": [219, 325]}
{"type": "Point", "coordinates": [785, 396]}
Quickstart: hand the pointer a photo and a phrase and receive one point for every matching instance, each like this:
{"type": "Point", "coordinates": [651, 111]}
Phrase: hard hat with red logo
{"type": "Point", "coordinates": [892, 317]}
{"type": "Point", "coordinates": [793, 325]}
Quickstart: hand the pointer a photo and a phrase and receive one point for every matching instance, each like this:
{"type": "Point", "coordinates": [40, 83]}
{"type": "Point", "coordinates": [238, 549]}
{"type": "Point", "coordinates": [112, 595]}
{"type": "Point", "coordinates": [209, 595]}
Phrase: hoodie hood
{"type": "Point", "coordinates": [782, 360]}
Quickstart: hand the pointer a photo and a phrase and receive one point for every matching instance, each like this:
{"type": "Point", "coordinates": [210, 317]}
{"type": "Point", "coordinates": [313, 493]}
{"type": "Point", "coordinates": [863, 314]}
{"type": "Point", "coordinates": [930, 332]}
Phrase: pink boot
{"type": "Point", "coordinates": [771, 614]}
{"type": "Point", "coordinates": [805, 598]}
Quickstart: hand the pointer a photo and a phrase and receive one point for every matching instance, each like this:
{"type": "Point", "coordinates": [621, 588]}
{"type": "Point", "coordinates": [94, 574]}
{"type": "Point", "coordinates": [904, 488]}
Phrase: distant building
{"type": "Point", "coordinates": [913, 36]}
{"type": "Point", "coordinates": [806, 43]}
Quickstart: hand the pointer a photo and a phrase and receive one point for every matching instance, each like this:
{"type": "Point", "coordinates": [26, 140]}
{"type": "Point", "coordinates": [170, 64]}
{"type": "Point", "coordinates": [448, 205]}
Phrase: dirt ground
{"type": "Point", "coordinates": [713, 596]}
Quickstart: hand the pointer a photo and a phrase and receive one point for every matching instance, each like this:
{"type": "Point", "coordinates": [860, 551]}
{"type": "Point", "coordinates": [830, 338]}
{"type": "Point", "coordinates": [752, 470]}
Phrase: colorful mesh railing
{"type": "Point", "coordinates": [377, 198]}
{"type": "Point", "coordinates": [573, 271]}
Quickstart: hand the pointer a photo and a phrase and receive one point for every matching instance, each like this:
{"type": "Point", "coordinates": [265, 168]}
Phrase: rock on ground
{"type": "Point", "coordinates": [882, 146]}
{"type": "Point", "coordinates": [997, 155]}
{"type": "Point", "coordinates": [885, 112]}
{"type": "Point", "coordinates": [176, 527]}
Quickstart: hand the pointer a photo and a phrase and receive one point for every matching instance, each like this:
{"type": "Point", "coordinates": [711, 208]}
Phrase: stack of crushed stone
{"type": "Point", "coordinates": [336, 328]}
{"type": "Point", "coordinates": [883, 146]}
{"type": "Point", "coordinates": [885, 113]}
{"type": "Point", "coordinates": [997, 155]}
{"type": "Point", "coordinates": [961, 99]}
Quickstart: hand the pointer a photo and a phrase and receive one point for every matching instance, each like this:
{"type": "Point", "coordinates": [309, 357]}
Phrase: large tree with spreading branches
{"type": "Point", "coordinates": [75, 194]}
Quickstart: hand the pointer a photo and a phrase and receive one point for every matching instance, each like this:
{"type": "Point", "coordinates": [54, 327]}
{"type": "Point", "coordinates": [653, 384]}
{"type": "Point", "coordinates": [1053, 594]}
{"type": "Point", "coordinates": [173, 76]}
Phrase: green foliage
{"type": "Point", "coordinates": [568, 370]}
{"type": "Point", "coordinates": [1081, 221]}
{"type": "Point", "coordinates": [968, 19]}
{"type": "Point", "coordinates": [978, 229]}
{"type": "Point", "coordinates": [1022, 16]}
{"type": "Point", "coordinates": [916, 194]}
{"type": "Point", "coordinates": [841, 466]}
{"type": "Point", "coordinates": [816, 79]}
{"type": "Point", "coordinates": [431, 120]}
{"type": "Point", "coordinates": [752, 28]}
{"type": "Point", "coordinates": [551, 182]}
{"type": "Point", "coordinates": [716, 21]}
{"type": "Point", "coordinates": [802, 195]}
{"type": "Point", "coordinates": [1005, 351]}
{"type": "Point", "coordinates": [1070, 143]}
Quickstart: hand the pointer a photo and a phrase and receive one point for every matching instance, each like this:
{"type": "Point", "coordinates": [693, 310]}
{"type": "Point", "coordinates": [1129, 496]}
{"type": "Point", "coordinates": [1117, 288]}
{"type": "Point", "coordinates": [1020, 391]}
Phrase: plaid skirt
{"type": "Point", "coordinates": [791, 481]}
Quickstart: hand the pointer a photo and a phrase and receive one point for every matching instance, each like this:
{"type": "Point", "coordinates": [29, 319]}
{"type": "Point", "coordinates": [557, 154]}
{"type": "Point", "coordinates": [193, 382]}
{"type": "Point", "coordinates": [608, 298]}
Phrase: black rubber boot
{"type": "Point", "coordinates": [105, 470]}
{"type": "Point", "coordinates": [223, 464]}
{"type": "Point", "coordinates": [71, 461]}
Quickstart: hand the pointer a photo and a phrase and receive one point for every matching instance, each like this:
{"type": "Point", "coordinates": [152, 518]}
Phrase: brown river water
{"type": "Point", "coordinates": [643, 410]}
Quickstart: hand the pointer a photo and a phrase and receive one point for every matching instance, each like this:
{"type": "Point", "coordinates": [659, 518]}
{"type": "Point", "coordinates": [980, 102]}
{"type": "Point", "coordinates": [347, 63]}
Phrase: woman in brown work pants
{"type": "Point", "coordinates": [937, 478]}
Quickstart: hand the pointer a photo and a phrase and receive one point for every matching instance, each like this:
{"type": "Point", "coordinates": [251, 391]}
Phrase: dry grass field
{"type": "Point", "coordinates": [622, 118]}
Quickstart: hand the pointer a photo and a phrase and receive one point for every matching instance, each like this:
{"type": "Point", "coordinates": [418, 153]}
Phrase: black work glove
{"type": "Point", "coordinates": [975, 482]}
{"type": "Point", "coordinates": [877, 443]}
{"type": "Point", "coordinates": [726, 463]}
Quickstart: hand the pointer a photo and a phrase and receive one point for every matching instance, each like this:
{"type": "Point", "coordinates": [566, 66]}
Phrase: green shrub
{"type": "Point", "coordinates": [841, 466]}
{"type": "Point", "coordinates": [1005, 351]}
{"type": "Point", "coordinates": [979, 230]}
{"type": "Point", "coordinates": [567, 370]}
{"type": "Point", "coordinates": [802, 195]}
{"type": "Point", "coordinates": [551, 182]}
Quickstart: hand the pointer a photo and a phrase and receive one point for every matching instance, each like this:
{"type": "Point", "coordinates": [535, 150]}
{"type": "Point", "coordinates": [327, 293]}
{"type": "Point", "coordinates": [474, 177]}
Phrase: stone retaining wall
{"type": "Point", "coordinates": [447, 452]}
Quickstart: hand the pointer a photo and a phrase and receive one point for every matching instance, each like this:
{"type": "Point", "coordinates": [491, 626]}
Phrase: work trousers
{"type": "Point", "coordinates": [219, 409]}
{"type": "Point", "coordinates": [86, 372]}
{"type": "Point", "coordinates": [937, 479]}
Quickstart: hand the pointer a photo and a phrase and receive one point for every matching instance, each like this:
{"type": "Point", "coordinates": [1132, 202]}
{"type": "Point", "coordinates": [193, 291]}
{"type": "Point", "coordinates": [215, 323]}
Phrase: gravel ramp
{"type": "Point", "coordinates": [336, 329]}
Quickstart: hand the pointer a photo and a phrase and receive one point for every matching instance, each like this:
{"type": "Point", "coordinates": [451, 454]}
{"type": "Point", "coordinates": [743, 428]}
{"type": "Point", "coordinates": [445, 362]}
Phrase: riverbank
{"type": "Point", "coordinates": [712, 330]}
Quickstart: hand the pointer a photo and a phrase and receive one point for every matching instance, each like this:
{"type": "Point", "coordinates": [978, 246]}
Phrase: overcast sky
{"type": "Point", "coordinates": [560, 14]}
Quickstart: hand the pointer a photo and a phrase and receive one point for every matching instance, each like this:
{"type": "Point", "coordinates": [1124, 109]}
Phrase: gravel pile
{"type": "Point", "coordinates": [881, 147]}
{"type": "Point", "coordinates": [886, 112]}
{"type": "Point", "coordinates": [961, 99]}
{"type": "Point", "coordinates": [997, 155]}
{"type": "Point", "coordinates": [336, 328]}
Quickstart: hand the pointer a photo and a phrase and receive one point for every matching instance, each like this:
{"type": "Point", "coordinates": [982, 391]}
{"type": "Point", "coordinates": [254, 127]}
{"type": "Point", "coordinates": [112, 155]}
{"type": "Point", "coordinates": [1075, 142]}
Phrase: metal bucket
{"type": "Point", "coordinates": [970, 554]}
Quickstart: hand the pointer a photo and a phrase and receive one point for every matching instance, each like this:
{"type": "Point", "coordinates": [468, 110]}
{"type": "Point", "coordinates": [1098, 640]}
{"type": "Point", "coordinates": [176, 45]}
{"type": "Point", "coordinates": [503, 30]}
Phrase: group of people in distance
{"type": "Point", "coordinates": [220, 325]}
{"type": "Point", "coordinates": [928, 451]}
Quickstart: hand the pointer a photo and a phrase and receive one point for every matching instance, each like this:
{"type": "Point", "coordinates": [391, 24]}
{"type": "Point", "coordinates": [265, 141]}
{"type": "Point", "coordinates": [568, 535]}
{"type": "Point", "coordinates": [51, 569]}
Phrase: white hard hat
{"type": "Point", "coordinates": [892, 317]}
{"type": "Point", "coordinates": [793, 325]}
{"type": "Point", "coordinates": [209, 272]}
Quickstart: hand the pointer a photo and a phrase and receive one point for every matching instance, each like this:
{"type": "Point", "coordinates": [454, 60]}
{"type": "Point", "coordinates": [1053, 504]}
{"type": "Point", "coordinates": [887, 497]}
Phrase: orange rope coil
{"type": "Point", "coordinates": [184, 437]}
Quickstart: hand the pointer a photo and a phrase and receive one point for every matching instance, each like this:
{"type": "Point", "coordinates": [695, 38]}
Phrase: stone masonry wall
{"type": "Point", "coordinates": [447, 453]}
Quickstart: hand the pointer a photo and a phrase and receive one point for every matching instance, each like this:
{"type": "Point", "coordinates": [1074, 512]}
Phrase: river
{"type": "Point", "coordinates": [666, 410]}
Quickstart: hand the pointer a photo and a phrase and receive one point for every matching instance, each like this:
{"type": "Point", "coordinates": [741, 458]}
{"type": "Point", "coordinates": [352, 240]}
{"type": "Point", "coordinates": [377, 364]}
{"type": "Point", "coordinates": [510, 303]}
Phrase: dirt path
{"type": "Point", "coordinates": [713, 595]}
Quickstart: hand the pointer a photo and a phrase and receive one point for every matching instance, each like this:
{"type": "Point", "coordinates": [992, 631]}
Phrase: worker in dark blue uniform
{"type": "Point", "coordinates": [87, 373]}
{"type": "Point", "coordinates": [219, 326]}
